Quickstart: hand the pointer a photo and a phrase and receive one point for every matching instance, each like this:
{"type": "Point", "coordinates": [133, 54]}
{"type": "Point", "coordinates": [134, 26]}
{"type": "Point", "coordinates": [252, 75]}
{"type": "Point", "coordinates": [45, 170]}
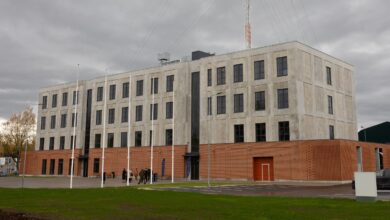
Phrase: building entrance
{"type": "Point", "coordinates": [263, 168]}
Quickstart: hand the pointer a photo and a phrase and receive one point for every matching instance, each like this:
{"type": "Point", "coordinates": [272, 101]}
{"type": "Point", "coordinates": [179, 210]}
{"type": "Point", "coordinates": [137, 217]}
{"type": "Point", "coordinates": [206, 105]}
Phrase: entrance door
{"type": "Point", "coordinates": [263, 169]}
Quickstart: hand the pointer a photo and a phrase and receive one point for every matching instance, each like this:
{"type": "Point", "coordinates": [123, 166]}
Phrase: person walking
{"type": "Point", "coordinates": [124, 174]}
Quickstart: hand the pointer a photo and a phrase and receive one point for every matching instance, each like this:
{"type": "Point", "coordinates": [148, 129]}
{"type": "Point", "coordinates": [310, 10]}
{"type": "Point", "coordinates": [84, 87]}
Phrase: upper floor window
{"type": "Point", "coordinates": [238, 103]}
{"type": "Point", "coordinates": [123, 139]}
{"type": "Point", "coordinates": [44, 102]}
{"type": "Point", "coordinates": [112, 91]}
{"type": "Point", "coordinates": [168, 137]}
{"type": "Point", "coordinates": [209, 77]}
{"type": "Point", "coordinates": [64, 99]}
{"type": "Point", "coordinates": [260, 132]}
{"type": "Point", "coordinates": [169, 110]}
{"type": "Point", "coordinates": [238, 75]}
{"type": "Point", "coordinates": [282, 98]}
{"type": "Point", "coordinates": [43, 123]}
{"type": "Point", "coordinates": [138, 138]}
{"type": "Point", "coordinates": [110, 140]}
{"type": "Point", "coordinates": [125, 90]}
{"type": "Point", "coordinates": [154, 85]}
{"type": "Point", "coordinates": [170, 80]}
{"type": "Point", "coordinates": [259, 69]}
{"type": "Point", "coordinates": [74, 120]}
{"type": "Point", "coordinates": [62, 142]}
{"type": "Point", "coordinates": [282, 69]}
{"type": "Point", "coordinates": [54, 101]}
{"type": "Point", "coordinates": [284, 131]}
{"type": "Point", "coordinates": [76, 97]}
{"type": "Point", "coordinates": [53, 122]}
{"type": "Point", "coordinates": [41, 143]}
{"type": "Point", "coordinates": [259, 101]}
{"type": "Point", "coordinates": [98, 117]}
{"type": "Point", "coordinates": [329, 75]}
{"type": "Point", "coordinates": [331, 132]}
{"type": "Point", "coordinates": [221, 76]}
{"type": "Point", "coordinates": [99, 94]}
{"type": "Point", "coordinates": [125, 114]}
{"type": "Point", "coordinates": [51, 143]}
{"type": "Point", "coordinates": [238, 133]}
{"type": "Point", "coordinates": [221, 105]}
{"type": "Point", "coordinates": [139, 88]}
{"type": "Point", "coordinates": [153, 111]}
{"type": "Point", "coordinates": [209, 105]}
{"type": "Point", "coordinates": [330, 105]}
{"type": "Point", "coordinates": [138, 113]}
{"type": "Point", "coordinates": [111, 116]}
{"type": "Point", "coordinates": [63, 120]}
{"type": "Point", "coordinates": [98, 140]}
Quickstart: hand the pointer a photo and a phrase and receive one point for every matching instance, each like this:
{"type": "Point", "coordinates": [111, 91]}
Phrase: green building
{"type": "Point", "coordinates": [379, 133]}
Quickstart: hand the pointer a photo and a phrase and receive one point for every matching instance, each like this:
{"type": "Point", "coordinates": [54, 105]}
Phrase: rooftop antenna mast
{"type": "Point", "coordinates": [248, 32]}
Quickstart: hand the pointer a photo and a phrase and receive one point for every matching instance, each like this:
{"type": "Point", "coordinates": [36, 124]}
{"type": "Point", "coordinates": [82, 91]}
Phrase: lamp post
{"type": "Point", "coordinates": [209, 112]}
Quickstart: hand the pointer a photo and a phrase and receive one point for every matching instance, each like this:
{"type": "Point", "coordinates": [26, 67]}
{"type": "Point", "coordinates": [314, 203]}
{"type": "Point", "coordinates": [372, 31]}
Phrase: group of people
{"type": "Point", "coordinates": [144, 175]}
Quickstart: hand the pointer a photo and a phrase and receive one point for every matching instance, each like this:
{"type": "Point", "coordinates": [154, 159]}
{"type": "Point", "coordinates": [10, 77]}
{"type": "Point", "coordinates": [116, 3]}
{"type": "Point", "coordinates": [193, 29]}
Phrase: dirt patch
{"type": "Point", "coordinates": [17, 216]}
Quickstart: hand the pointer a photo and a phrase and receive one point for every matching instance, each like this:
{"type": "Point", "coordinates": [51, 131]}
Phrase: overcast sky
{"type": "Point", "coordinates": [41, 42]}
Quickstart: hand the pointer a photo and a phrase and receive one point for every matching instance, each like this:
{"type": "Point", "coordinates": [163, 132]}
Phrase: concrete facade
{"type": "Point", "coordinates": [307, 111]}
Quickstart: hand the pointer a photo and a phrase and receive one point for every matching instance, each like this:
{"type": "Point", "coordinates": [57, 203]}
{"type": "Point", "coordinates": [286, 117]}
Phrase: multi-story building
{"type": "Point", "coordinates": [283, 92]}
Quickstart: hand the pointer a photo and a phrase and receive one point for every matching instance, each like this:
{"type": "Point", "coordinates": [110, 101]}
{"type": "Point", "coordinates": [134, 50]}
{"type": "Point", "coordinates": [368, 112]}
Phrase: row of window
{"type": "Point", "coordinates": [60, 167]}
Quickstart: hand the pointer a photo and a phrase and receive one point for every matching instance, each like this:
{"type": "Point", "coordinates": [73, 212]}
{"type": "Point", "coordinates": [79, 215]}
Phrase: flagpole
{"type": "Point", "coordinates": [173, 137]}
{"type": "Point", "coordinates": [104, 129]}
{"type": "Point", "coordinates": [74, 127]}
{"type": "Point", "coordinates": [151, 148]}
{"type": "Point", "coordinates": [128, 136]}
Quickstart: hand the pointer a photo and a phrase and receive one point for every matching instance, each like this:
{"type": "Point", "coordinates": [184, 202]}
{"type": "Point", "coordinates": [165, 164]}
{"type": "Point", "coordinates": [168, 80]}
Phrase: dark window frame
{"type": "Point", "coordinates": [111, 116]}
{"type": "Point", "coordinates": [125, 114]}
{"type": "Point", "coordinates": [62, 142]}
{"type": "Point", "coordinates": [221, 76]}
{"type": "Point", "coordinates": [209, 77]}
{"type": "Point", "coordinates": [54, 100]}
{"type": "Point", "coordinates": [112, 92]}
{"type": "Point", "coordinates": [96, 165]}
{"type": "Point", "coordinates": [98, 140]}
{"type": "Point", "coordinates": [329, 75]}
{"type": "Point", "coordinates": [260, 101]}
{"type": "Point", "coordinates": [139, 88]}
{"type": "Point", "coordinates": [98, 120]}
{"type": "Point", "coordinates": [125, 90]}
{"type": "Point", "coordinates": [170, 83]}
{"type": "Point", "coordinates": [41, 143]}
{"type": "Point", "coordinates": [99, 94]}
{"type": "Point", "coordinates": [138, 138]}
{"type": "Point", "coordinates": [282, 66]}
{"type": "Point", "coordinates": [330, 105]}
{"type": "Point", "coordinates": [238, 102]}
{"type": "Point", "coordinates": [239, 133]}
{"type": "Point", "coordinates": [138, 112]}
{"type": "Point", "coordinates": [221, 105]}
{"type": "Point", "coordinates": [261, 132]}
{"type": "Point", "coordinates": [51, 143]}
{"type": "Point", "coordinates": [168, 137]}
{"type": "Point", "coordinates": [284, 130]}
{"type": "Point", "coordinates": [110, 140]}
{"type": "Point", "coordinates": [331, 132]}
{"type": "Point", "coordinates": [258, 70]}
{"type": "Point", "coordinates": [53, 120]}
{"type": "Point", "coordinates": [238, 73]}
{"type": "Point", "coordinates": [154, 85]}
{"type": "Point", "coordinates": [153, 111]}
{"type": "Point", "coordinates": [283, 100]}
{"type": "Point", "coordinates": [169, 110]}
{"type": "Point", "coordinates": [124, 139]}
{"type": "Point", "coordinates": [44, 102]}
{"type": "Point", "coordinates": [63, 120]}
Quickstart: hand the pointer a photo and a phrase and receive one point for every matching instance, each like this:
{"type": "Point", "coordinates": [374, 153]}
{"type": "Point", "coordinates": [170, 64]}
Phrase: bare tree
{"type": "Point", "coordinates": [16, 131]}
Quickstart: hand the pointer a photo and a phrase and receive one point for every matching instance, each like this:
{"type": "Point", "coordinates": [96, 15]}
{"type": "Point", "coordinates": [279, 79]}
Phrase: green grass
{"type": "Point", "coordinates": [130, 203]}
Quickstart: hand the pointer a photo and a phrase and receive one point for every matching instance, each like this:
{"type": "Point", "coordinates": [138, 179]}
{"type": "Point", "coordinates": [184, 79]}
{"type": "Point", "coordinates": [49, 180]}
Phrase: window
{"type": "Point", "coordinates": [330, 105]}
{"type": "Point", "coordinates": [238, 75]}
{"type": "Point", "coordinates": [331, 132]}
{"type": "Point", "coordinates": [74, 120]}
{"type": "Point", "coordinates": [70, 165]}
{"type": "Point", "coordinates": [54, 101]}
{"type": "Point", "coordinates": [96, 162]}
{"type": "Point", "coordinates": [44, 102]}
{"type": "Point", "coordinates": [238, 103]}
{"type": "Point", "coordinates": [260, 101]}
{"type": "Point", "coordinates": [209, 105]}
{"type": "Point", "coordinates": [76, 97]}
{"type": "Point", "coordinates": [62, 142]}
{"type": "Point", "coordinates": [64, 99]}
{"type": "Point", "coordinates": [110, 140]}
{"type": "Point", "coordinates": [209, 77]}
{"type": "Point", "coordinates": [41, 143]}
{"type": "Point", "coordinates": [140, 88]}
{"type": "Point", "coordinates": [123, 139]}
{"type": "Point", "coordinates": [282, 98]}
{"type": "Point", "coordinates": [125, 114]}
{"type": "Point", "coordinates": [43, 172]}
{"type": "Point", "coordinates": [169, 110]}
{"type": "Point", "coordinates": [379, 158]}
{"type": "Point", "coordinates": [168, 137]}
{"type": "Point", "coordinates": [153, 111]}
{"type": "Point", "coordinates": [111, 116]}
{"type": "Point", "coordinates": [98, 117]}
{"type": "Point", "coordinates": [221, 76]}
{"type": "Point", "coordinates": [73, 142]}
{"type": "Point", "coordinates": [281, 63]}
{"type": "Point", "coordinates": [154, 86]}
{"type": "Point", "coordinates": [53, 122]}
{"type": "Point", "coordinates": [260, 132]}
{"type": "Point", "coordinates": [221, 105]}
{"type": "Point", "coordinates": [259, 69]}
{"type": "Point", "coordinates": [359, 155]}
{"type": "Point", "coordinates": [112, 92]}
{"type": "Point", "coordinates": [99, 94]}
{"type": "Point", "coordinates": [98, 140]}
{"type": "Point", "coordinates": [63, 120]}
{"type": "Point", "coordinates": [138, 113]}
{"type": "Point", "coordinates": [60, 166]}
{"type": "Point", "coordinates": [52, 166]}
{"type": "Point", "coordinates": [150, 137]}
{"type": "Point", "coordinates": [138, 138]}
{"type": "Point", "coordinates": [51, 143]}
{"type": "Point", "coordinates": [284, 131]}
{"type": "Point", "coordinates": [43, 123]}
{"type": "Point", "coordinates": [170, 80]}
{"type": "Point", "coordinates": [125, 90]}
{"type": "Point", "coordinates": [329, 75]}
{"type": "Point", "coordinates": [238, 133]}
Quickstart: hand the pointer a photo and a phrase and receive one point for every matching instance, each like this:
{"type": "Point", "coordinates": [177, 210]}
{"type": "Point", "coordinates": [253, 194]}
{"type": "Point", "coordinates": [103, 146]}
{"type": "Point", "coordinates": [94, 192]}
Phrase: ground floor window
{"type": "Point", "coordinates": [43, 172]}
{"type": "Point", "coordinates": [96, 162]}
{"type": "Point", "coordinates": [379, 158]}
{"type": "Point", "coordinates": [52, 166]}
{"type": "Point", "coordinates": [260, 132]}
{"type": "Point", "coordinates": [331, 132]}
{"type": "Point", "coordinates": [284, 131]}
{"type": "Point", "coordinates": [70, 166]}
{"type": "Point", "coordinates": [60, 166]}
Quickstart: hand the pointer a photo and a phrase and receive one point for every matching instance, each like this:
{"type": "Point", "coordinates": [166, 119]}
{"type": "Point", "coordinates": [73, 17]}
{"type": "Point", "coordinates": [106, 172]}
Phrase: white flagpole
{"type": "Point", "coordinates": [173, 136]}
{"type": "Point", "coordinates": [151, 148]}
{"type": "Point", "coordinates": [104, 129]}
{"type": "Point", "coordinates": [74, 127]}
{"type": "Point", "coordinates": [128, 135]}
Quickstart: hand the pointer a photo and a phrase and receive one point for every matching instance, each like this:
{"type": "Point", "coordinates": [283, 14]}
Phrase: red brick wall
{"type": "Point", "coordinates": [293, 160]}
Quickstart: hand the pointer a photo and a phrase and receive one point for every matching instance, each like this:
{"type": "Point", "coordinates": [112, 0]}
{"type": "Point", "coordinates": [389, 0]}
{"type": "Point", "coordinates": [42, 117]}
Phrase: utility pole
{"type": "Point", "coordinates": [248, 32]}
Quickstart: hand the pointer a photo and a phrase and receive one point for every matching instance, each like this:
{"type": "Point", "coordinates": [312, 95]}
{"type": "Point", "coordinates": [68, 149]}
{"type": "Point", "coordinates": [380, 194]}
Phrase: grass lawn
{"type": "Point", "coordinates": [130, 203]}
